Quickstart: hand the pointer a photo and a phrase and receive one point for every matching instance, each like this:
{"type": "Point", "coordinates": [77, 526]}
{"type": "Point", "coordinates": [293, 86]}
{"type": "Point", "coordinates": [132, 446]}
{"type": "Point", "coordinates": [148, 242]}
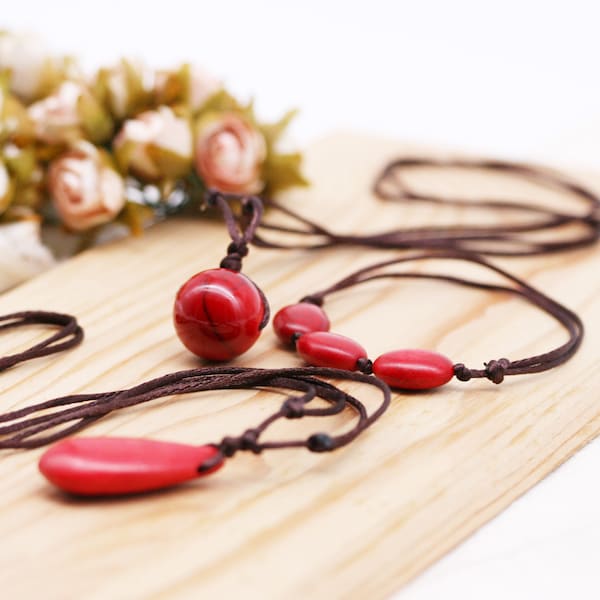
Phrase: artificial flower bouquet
{"type": "Point", "coordinates": [126, 144]}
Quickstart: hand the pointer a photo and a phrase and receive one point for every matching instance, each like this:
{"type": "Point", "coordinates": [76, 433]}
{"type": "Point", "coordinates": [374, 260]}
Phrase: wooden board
{"type": "Point", "coordinates": [355, 524]}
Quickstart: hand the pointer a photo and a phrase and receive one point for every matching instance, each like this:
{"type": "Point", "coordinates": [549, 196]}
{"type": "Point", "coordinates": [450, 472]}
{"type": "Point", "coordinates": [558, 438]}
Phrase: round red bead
{"type": "Point", "coordinates": [413, 369]}
{"type": "Point", "coordinates": [303, 317]}
{"type": "Point", "coordinates": [112, 466]}
{"type": "Point", "coordinates": [324, 349]}
{"type": "Point", "coordinates": [218, 314]}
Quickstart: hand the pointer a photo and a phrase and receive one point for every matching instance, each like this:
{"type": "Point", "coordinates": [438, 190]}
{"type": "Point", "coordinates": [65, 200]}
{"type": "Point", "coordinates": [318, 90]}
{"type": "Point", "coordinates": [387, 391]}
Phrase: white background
{"type": "Point", "coordinates": [513, 78]}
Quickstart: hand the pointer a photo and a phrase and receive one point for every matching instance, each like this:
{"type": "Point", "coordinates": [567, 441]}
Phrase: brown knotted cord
{"type": "Point", "coordinates": [241, 231]}
{"type": "Point", "coordinates": [69, 332]}
{"type": "Point", "coordinates": [24, 428]}
{"type": "Point", "coordinates": [252, 210]}
{"type": "Point", "coordinates": [498, 240]}
{"type": "Point", "coordinates": [495, 370]}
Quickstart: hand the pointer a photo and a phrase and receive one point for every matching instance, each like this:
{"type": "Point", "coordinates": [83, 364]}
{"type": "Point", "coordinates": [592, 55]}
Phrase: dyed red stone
{"type": "Point", "coordinates": [303, 317]}
{"type": "Point", "coordinates": [218, 314]}
{"type": "Point", "coordinates": [112, 466]}
{"type": "Point", "coordinates": [413, 369]}
{"type": "Point", "coordinates": [324, 349]}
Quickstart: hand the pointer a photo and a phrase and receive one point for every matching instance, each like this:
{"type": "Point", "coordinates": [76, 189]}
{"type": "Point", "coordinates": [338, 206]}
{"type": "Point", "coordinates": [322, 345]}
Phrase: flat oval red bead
{"type": "Point", "coordinates": [303, 317]}
{"type": "Point", "coordinates": [413, 369]}
{"type": "Point", "coordinates": [218, 314]}
{"type": "Point", "coordinates": [324, 349]}
{"type": "Point", "coordinates": [113, 466]}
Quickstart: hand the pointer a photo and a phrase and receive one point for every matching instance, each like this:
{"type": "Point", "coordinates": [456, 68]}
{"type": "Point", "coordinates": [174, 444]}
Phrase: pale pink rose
{"type": "Point", "coordinates": [56, 118]}
{"type": "Point", "coordinates": [203, 85]}
{"type": "Point", "coordinates": [27, 58]}
{"type": "Point", "coordinates": [156, 143]}
{"type": "Point", "coordinates": [85, 191]}
{"type": "Point", "coordinates": [229, 154]}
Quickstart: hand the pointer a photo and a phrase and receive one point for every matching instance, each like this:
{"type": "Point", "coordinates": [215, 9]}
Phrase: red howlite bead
{"type": "Point", "coordinates": [218, 314]}
{"type": "Point", "coordinates": [413, 369]}
{"type": "Point", "coordinates": [324, 349]}
{"type": "Point", "coordinates": [108, 466]}
{"type": "Point", "coordinates": [303, 317]}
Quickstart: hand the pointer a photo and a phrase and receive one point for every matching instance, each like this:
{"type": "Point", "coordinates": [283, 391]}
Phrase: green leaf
{"type": "Point", "coordinates": [273, 131]}
{"type": "Point", "coordinates": [96, 122]}
{"type": "Point", "coordinates": [136, 217]}
{"type": "Point", "coordinates": [282, 171]}
{"type": "Point", "coordinates": [222, 102]}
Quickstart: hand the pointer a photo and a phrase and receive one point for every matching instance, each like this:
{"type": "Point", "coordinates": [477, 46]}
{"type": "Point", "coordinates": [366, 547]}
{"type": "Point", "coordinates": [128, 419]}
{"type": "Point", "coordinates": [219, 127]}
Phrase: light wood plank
{"type": "Point", "coordinates": [355, 524]}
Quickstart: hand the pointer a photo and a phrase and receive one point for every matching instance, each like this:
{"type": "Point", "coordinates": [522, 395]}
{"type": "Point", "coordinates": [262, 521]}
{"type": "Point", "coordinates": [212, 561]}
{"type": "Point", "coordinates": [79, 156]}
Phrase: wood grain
{"type": "Point", "coordinates": [355, 524]}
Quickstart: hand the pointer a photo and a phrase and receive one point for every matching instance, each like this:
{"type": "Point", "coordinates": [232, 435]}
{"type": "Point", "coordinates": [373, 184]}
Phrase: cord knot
{"type": "Point", "coordinates": [293, 408]}
{"type": "Point", "coordinates": [462, 372]}
{"type": "Point", "coordinates": [496, 369]}
{"type": "Point", "coordinates": [235, 252]}
{"type": "Point", "coordinates": [247, 441]}
{"type": "Point", "coordinates": [364, 365]}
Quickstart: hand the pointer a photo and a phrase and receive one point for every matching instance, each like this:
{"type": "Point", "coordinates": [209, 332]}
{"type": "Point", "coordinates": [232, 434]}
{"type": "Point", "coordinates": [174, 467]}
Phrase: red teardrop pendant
{"type": "Point", "coordinates": [218, 314]}
{"type": "Point", "coordinates": [413, 369]}
{"type": "Point", "coordinates": [108, 466]}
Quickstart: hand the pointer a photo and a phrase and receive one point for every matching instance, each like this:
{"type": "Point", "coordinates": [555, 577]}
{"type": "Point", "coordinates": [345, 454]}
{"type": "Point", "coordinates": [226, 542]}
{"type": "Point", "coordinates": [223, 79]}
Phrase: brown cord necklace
{"type": "Point", "coordinates": [219, 314]}
{"type": "Point", "coordinates": [570, 230]}
{"type": "Point", "coordinates": [307, 327]}
{"type": "Point", "coordinates": [115, 466]}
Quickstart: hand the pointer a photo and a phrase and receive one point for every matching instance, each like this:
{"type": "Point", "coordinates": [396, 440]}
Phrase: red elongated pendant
{"type": "Point", "coordinates": [218, 314]}
{"type": "Point", "coordinates": [324, 349]}
{"type": "Point", "coordinates": [413, 369]}
{"type": "Point", "coordinates": [107, 466]}
{"type": "Point", "coordinates": [298, 319]}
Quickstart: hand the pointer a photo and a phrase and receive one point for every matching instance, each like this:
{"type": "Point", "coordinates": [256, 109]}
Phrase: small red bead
{"type": "Point", "coordinates": [218, 314]}
{"type": "Point", "coordinates": [303, 317]}
{"type": "Point", "coordinates": [112, 466]}
{"type": "Point", "coordinates": [413, 369]}
{"type": "Point", "coordinates": [324, 349]}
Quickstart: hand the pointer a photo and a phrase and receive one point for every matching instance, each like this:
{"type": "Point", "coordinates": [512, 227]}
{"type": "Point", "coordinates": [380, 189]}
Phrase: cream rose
{"type": "Point", "coordinates": [85, 190]}
{"type": "Point", "coordinates": [28, 60]}
{"type": "Point", "coordinates": [155, 144]}
{"type": "Point", "coordinates": [69, 114]}
{"type": "Point", "coordinates": [229, 154]}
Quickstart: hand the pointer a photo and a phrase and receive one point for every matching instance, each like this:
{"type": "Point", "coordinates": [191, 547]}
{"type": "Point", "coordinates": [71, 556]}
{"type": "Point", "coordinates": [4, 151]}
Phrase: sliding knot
{"type": "Point", "coordinates": [235, 252]}
{"type": "Point", "coordinates": [496, 369]}
{"type": "Point", "coordinates": [316, 300]}
{"type": "Point", "coordinates": [293, 408]}
{"type": "Point", "coordinates": [462, 372]}
{"type": "Point", "coordinates": [247, 441]}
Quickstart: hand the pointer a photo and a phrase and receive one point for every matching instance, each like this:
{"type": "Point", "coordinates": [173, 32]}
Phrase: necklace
{"type": "Point", "coordinates": [306, 325]}
{"type": "Point", "coordinates": [219, 313]}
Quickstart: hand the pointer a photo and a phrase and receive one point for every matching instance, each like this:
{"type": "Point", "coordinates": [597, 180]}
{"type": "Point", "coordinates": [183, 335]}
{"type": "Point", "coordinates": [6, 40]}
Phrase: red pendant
{"type": "Point", "coordinates": [108, 466]}
{"type": "Point", "coordinates": [413, 369]}
{"type": "Point", "coordinates": [218, 314]}
{"type": "Point", "coordinates": [300, 318]}
{"type": "Point", "coordinates": [324, 349]}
